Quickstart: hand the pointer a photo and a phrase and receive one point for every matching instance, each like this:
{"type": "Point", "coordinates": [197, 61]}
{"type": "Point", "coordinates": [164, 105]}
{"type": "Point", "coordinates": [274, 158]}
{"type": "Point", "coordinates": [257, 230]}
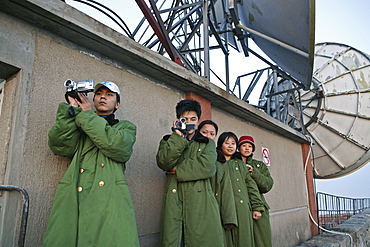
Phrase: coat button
{"type": "Point", "coordinates": [241, 201]}
{"type": "Point", "coordinates": [239, 191]}
{"type": "Point", "coordinates": [258, 165]}
{"type": "Point", "coordinates": [79, 189]}
{"type": "Point", "coordinates": [199, 150]}
{"type": "Point", "coordinates": [173, 190]}
{"type": "Point", "coordinates": [216, 194]}
{"type": "Point", "coordinates": [82, 170]}
{"type": "Point", "coordinates": [236, 168]}
{"type": "Point", "coordinates": [237, 179]}
{"type": "Point", "coordinates": [101, 183]}
{"type": "Point", "coordinates": [101, 165]}
{"type": "Point", "coordinates": [200, 190]}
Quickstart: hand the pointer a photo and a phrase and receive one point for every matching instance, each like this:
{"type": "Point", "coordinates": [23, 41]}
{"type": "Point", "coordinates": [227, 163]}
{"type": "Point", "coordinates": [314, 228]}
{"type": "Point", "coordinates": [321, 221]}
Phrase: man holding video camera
{"type": "Point", "coordinates": [92, 205]}
{"type": "Point", "coordinates": [190, 212]}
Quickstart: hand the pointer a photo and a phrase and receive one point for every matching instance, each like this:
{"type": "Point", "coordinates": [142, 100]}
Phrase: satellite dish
{"type": "Point", "coordinates": [337, 110]}
{"type": "Point", "coordinates": [284, 31]}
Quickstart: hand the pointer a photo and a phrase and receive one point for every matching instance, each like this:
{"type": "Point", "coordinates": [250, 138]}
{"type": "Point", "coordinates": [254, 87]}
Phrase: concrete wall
{"type": "Point", "coordinates": [43, 43]}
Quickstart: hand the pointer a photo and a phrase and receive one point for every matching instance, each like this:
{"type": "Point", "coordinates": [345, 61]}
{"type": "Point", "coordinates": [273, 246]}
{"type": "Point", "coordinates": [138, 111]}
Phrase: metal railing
{"type": "Point", "coordinates": [333, 210]}
{"type": "Point", "coordinates": [25, 208]}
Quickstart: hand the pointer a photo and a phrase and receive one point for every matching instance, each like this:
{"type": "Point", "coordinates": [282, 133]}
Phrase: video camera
{"type": "Point", "coordinates": [74, 87]}
{"type": "Point", "coordinates": [183, 126]}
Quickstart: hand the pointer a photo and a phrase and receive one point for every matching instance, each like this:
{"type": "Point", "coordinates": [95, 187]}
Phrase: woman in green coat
{"type": "Point", "coordinates": [221, 184]}
{"type": "Point", "coordinates": [264, 181]}
{"type": "Point", "coordinates": [248, 203]}
{"type": "Point", "coordinates": [92, 205]}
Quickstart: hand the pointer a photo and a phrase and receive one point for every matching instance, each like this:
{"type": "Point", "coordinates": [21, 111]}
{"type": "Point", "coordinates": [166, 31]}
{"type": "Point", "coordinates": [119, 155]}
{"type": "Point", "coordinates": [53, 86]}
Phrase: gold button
{"type": "Point", "coordinates": [173, 190]}
{"type": "Point", "coordinates": [101, 183]}
{"type": "Point", "coordinates": [237, 179]}
{"type": "Point", "coordinates": [241, 201]}
{"type": "Point", "coordinates": [101, 165]}
{"type": "Point", "coordinates": [200, 190]}
{"type": "Point", "coordinates": [79, 189]}
{"type": "Point", "coordinates": [239, 190]}
{"type": "Point", "coordinates": [237, 168]}
{"type": "Point", "coordinates": [82, 170]}
{"type": "Point", "coordinates": [216, 194]}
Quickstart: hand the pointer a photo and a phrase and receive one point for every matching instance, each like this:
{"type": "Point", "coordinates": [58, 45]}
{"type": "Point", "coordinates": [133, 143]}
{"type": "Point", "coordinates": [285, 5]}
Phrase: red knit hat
{"type": "Point", "coordinates": [249, 139]}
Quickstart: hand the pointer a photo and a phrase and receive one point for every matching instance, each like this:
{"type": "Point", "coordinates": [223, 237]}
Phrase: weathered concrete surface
{"type": "Point", "coordinates": [355, 232]}
{"type": "Point", "coordinates": [43, 43]}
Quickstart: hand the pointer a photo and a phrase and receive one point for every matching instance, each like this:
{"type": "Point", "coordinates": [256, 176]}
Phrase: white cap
{"type": "Point", "coordinates": [110, 85]}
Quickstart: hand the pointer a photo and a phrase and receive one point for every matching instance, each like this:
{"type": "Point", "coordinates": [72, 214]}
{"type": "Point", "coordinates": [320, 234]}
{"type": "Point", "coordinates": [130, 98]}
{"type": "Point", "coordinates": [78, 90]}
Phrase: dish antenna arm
{"type": "Point", "coordinates": [156, 23]}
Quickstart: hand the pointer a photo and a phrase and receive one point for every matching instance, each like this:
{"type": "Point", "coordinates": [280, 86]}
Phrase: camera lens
{"type": "Point", "coordinates": [68, 83]}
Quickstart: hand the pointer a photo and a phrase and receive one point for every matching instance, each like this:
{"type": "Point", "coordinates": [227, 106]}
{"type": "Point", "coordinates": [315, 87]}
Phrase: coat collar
{"type": "Point", "coordinates": [198, 137]}
{"type": "Point", "coordinates": [249, 159]}
{"type": "Point", "coordinates": [111, 120]}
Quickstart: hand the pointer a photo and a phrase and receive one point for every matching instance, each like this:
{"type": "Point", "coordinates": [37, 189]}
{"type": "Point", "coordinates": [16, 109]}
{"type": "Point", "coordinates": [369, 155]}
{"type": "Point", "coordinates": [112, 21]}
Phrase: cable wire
{"type": "Point", "coordinates": [309, 211]}
{"type": "Point", "coordinates": [125, 28]}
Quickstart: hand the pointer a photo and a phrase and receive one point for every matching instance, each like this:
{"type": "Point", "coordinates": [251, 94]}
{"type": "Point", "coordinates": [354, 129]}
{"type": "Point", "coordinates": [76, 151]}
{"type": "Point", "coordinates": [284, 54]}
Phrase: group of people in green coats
{"type": "Point", "coordinates": [214, 193]}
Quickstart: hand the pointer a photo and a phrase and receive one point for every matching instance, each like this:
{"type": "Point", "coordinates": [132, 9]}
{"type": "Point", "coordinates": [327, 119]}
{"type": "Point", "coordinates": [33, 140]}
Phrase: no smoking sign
{"type": "Point", "coordinates": [266, 156]}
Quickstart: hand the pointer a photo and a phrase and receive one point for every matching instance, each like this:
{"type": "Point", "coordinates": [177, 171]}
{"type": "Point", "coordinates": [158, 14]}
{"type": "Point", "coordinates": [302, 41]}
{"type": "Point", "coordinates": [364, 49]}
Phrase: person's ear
{"type": "Point", "coordinates": [118, 105]}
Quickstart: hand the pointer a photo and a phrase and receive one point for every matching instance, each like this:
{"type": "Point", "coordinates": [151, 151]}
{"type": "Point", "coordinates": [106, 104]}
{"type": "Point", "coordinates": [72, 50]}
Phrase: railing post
{"type": "Point", "coordinates": [25, 198]}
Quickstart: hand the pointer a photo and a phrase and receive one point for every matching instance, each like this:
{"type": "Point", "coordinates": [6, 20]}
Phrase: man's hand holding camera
{"type": "Point", "coordinates": [175, 128]}
{"type": "Point", "coordinates": [84, 104]}
{"type": "Point", "coordinates": [181, 126]}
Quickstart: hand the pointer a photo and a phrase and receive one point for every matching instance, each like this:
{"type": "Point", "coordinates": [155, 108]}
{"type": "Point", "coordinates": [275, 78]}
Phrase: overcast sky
{"type": "Point", "coordinates": [340, 21]}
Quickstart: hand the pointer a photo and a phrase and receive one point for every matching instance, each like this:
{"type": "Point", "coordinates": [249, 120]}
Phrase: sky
{"type": "Point", "coordinates": [340, 21]}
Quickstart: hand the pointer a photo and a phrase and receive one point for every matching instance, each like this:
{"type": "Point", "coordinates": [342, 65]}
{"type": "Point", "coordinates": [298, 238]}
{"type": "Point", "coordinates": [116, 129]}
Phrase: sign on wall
{"type": "Point", "coordinates": [266, 156]}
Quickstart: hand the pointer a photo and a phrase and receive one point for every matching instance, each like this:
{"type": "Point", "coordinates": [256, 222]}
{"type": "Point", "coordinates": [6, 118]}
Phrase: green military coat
{"type": "Point", "coordinates": [223, 190]}
{"type": "Point", "coordinates": [92, 205]}
{"type": "Point", "coordinates": [190, 210]}
{"type": "Point", "coordinates": [262, 228]}
{"type": "Point", "coordinates": [247, 199]}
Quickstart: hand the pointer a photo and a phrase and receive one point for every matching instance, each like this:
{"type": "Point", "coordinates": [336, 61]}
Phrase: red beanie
{"type": "Point", "coordinates": [249, 139]}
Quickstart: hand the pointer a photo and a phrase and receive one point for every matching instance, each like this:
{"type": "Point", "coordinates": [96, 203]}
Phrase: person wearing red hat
{"type": "Point", "coordinates": [246, 197]}
{"type": "Point", "coordinates": [264, 181]}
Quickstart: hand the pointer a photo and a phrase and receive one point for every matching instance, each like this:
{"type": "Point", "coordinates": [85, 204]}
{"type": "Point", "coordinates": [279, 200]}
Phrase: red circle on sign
{"type": "Point", "coordinates": [266, 156]}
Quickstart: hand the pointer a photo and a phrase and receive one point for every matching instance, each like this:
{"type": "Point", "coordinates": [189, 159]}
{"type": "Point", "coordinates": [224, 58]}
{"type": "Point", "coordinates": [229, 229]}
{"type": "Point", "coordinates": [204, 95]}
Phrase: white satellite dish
{"type": "Point", "coordinates": [337, 110]}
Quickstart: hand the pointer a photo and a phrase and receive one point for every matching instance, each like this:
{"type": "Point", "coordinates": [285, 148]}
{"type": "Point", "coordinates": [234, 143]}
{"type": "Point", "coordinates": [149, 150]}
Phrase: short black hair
{"type": "Point", "coordinates": [200, 126]}
{"type": "Point", "coordinates": [223, 137]}
{"type": "Point", "coordinates": [188, 105]}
